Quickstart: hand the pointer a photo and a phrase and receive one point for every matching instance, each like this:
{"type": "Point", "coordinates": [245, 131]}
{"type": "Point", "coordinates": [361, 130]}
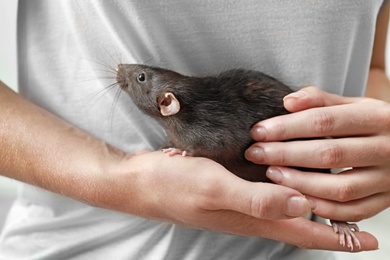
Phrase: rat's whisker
{"type": "Point", "coordinates": [91, 99]}
{"type": "Point", "coordinates": [100, 70]}
{"type": "Point", "coordinates": [112, 57]}
{"type": "Point", "coordinates": [116, 98]}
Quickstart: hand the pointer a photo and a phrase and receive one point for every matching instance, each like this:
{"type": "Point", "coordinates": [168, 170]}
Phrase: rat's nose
{"type": "Point", "coordinates": [121, 75]}
{"type": "Point", "coordinates": [119, 67]}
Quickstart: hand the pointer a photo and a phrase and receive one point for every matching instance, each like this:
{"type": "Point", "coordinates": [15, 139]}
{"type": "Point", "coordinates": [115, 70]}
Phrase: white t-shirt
{"type": "Point", "coordinates": [64, 49]}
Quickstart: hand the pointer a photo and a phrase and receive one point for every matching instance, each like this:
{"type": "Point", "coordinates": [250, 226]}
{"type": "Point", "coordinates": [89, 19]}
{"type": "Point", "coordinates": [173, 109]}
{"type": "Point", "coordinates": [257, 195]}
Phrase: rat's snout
{"type": "Point", "coordinates": [120, 67]}
{"type": "Point", "coordinates": [121, 76]}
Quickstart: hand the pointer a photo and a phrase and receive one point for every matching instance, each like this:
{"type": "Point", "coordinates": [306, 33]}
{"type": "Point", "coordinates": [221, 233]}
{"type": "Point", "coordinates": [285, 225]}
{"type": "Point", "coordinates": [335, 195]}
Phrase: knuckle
{"type": "Point", "coordinates": [330, 155]}
{"type": "Point", "coordinates": [260, 206]}
{"type": "Point", "coordinates": [386, 119]}
{"type": "Point", "coordinates": [383, 151]}
{"type": "Point", "coordinates": [346, 193]}
{"type": "Point", "coordinates": [323, 122]}
{"type": "Point", "coordinates": [276, 155]}
{"type": "Point", "coordinates": [358, 215]}
{"type": "Point", "coordinates": [311, 88]}
{"type": "Point", "coordinates": [279, 129]}
{"type": "Point", "coordinates": [384, 116]}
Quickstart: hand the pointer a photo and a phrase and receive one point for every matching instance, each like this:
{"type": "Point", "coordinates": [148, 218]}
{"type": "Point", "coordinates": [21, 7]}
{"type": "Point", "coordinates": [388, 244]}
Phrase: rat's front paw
{"type": "Point", "coordinates": [347, 235]}
{"type": "Point", "coordinates": [174, 151]}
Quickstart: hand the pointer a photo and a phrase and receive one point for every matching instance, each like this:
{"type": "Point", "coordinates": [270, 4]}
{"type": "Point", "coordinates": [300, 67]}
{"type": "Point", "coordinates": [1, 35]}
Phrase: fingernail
{"type": "Point", "coordinates": [255, 154]}
{"type": "Point", "coordinates": [258, 133]}
{"type": "Point", "coordinates": [297, 94]}
{"type": "Point", "coordinates": [274, 174]}
{"type": "Point", "coordinates": [297, 206]}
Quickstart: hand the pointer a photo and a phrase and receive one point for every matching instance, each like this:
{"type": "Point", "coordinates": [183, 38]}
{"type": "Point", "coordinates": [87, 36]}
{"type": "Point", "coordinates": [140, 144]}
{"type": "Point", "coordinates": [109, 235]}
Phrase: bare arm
{"type": "Point", "coordinates": [378, 85]}
{"type": "Point", "coordinates": [36, 147]}
{"type": "Point", "coordinates": [41, 149]}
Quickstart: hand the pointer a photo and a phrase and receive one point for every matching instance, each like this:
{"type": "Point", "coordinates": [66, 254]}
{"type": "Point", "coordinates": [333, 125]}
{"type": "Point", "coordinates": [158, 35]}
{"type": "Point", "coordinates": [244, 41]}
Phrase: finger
{"type": "Point", "coordinates": [310, 97]}
{"type": "Point", "coordinates": [354, 211]}
{"type": "Point", "coordinates": [301, 232]}
{"type": "Point", "coordinates": [320, 236]}
{"type": "Point", "coordinates": [322, 153]}
{"type": "Point", "coordinates": [346, 186]}
{"type": "Point", "coordinates": [260, 200]}
{"type": "Point", "coordinates": [341, 120]}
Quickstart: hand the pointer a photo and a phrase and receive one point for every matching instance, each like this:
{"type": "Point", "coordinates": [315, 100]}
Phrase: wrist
{"type": "Point", "coordinates": [122, 183]}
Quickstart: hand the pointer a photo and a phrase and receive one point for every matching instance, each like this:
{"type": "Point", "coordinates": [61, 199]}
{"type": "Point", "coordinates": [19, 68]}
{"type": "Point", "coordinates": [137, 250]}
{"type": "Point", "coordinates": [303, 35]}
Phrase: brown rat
{"type": "Point", "coordinates": [209, 116]}
{"type": "Point", "coordinates": [212, 116]}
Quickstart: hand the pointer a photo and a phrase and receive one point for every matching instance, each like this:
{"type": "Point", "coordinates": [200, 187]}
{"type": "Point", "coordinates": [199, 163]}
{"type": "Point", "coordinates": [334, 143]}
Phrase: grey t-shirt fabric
{"type": "Point", "coordinates": [65, 47]}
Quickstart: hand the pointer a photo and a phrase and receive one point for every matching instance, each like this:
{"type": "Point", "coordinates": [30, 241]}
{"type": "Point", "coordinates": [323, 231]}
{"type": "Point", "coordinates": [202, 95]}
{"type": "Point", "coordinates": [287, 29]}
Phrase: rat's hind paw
{"type": "Point", "coordinates": [347, 235]}
{"type": "Point", "coordinates": [174, 151]}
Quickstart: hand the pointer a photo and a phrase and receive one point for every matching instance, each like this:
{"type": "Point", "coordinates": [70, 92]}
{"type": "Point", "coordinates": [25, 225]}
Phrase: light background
{"type": "Point", "coordinates": [378, 225]}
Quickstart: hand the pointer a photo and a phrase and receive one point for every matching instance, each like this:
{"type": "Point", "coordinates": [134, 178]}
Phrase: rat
{"type": "Point", "coordinates": [212, 116]}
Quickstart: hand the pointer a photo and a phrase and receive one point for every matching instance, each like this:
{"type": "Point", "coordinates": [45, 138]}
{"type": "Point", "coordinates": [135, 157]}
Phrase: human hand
{"type": "Point", "coordinates": [360, 128]}
{"type": "Point", "coordinates": [200, 193]}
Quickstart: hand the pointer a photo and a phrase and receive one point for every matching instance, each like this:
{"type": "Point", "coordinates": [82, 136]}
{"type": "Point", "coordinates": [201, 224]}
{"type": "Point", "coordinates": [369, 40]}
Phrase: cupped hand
{"type": "Point", "coordinates": [200, 193]}
{"type": "Point", "coordinates": [360, 140]}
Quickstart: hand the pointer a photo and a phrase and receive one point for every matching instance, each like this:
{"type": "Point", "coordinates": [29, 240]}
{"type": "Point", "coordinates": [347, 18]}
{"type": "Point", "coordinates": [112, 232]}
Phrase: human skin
{"type": "Point", "coordinates": [361, 131]}
{"type": "Point", "coordinates": [42, 149]}
{"type": "Point", "coordinates": [360, 128]}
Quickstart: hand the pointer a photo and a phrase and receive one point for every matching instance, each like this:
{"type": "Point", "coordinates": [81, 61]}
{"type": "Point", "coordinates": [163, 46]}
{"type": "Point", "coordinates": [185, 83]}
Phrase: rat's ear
{"type": "Point", "coordinates": [169, 105]}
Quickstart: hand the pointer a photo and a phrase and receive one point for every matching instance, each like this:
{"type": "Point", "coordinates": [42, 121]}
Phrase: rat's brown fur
{"type": "Point", "coordinates": [216, 115]}
{"type": "Point", "coordinates": [216, 112]}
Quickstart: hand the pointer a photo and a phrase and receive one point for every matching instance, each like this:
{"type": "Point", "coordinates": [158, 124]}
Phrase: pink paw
{"type": "Point", "coordinates": [347, 235]}
{"type": "Point", "coordinates": [174, 151]}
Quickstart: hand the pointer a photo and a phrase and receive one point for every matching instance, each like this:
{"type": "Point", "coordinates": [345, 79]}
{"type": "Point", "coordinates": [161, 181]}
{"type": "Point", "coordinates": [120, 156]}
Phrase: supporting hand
{"type": "Point", "coordinates": [200, 193]}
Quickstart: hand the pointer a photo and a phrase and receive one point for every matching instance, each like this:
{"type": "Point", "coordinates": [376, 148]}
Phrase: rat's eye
{"type": "Point", "coordinates": [141, 77]}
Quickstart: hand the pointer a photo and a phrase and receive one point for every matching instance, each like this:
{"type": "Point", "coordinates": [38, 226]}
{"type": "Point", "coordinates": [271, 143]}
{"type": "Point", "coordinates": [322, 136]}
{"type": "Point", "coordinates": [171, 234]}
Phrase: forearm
{"type": "Point", "coordinates": [378, 85]}
{"type": "Point", "coordinates": [41, 149]}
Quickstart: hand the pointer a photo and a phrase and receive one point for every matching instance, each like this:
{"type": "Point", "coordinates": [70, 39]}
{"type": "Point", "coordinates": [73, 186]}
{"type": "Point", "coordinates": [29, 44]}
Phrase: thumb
{"type": "Point", "coordinates": [262, 200]}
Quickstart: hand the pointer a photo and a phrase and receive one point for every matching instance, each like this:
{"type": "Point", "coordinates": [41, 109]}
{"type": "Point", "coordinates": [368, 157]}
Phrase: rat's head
{"type": "Point", "coordinates": [151, 88]}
